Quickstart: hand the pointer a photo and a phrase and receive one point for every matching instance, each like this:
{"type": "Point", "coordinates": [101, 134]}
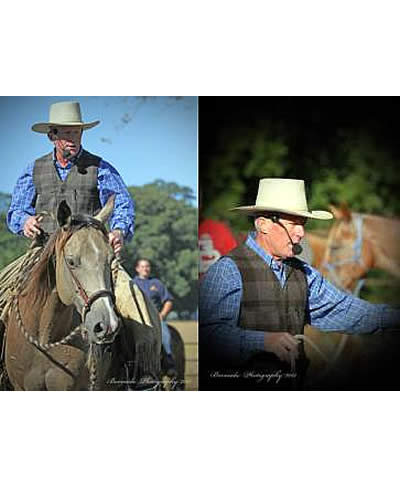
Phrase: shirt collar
{"type": "Point", "coordinates": [72, 160]}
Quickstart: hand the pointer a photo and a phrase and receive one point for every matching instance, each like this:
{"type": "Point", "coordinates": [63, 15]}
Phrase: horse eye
{"type": "Point", "coordinates": [71, 261]}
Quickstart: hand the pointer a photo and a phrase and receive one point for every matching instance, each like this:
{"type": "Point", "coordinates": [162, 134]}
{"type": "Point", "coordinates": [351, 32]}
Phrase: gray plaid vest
{"type": "Point", "coordinates": [79, 189]}
{"type": "Point", "coordinates": [265, 305]}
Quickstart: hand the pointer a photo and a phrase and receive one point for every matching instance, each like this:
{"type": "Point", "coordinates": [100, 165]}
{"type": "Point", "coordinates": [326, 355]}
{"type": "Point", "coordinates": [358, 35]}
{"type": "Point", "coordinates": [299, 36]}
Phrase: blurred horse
{"type": "Point", "coordinates": [359, 242]}
{"type": "Point", "coordinates": [355, 244]}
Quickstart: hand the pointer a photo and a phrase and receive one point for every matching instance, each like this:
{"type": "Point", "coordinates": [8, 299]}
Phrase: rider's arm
{"type": "Point", "coordinates": [22, 202]}
{"type": "Point", "coordinates": [333, 310]}
{"type": "Point", "coordinates": [108, 182]}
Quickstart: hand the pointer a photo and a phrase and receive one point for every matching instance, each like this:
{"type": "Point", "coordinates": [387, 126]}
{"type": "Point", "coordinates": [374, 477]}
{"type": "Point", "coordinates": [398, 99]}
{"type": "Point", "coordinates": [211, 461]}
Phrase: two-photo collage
{"type": "Point", "coordinates": [199, 244]}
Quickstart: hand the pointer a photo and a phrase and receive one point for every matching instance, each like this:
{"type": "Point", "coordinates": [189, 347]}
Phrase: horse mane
{"type": "Point", "coordinates": [41, 279]}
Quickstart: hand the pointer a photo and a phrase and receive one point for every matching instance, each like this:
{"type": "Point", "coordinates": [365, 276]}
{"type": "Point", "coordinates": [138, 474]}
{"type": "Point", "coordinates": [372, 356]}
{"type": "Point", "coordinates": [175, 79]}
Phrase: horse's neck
{"type": "Point", "coordinates": [318, 245]}
{"type": "Point", "coordinates": [55, 320]}
{"type": "Point", "coordinates": [383, 236]}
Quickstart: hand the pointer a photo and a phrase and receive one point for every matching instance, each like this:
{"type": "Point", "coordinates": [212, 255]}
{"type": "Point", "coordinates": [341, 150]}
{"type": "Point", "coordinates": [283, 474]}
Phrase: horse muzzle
{"type": "Point", "coordinates": [102, 329]}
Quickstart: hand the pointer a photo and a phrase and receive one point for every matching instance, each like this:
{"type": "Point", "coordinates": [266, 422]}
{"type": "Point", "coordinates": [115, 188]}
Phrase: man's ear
{"type": "Point", "coordinates": [263, 224]}
{"type": "Point", "coordinates": [52, 134]}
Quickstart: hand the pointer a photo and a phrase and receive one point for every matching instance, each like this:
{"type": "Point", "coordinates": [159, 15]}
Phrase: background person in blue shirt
{"type": "Point", "coordinates": [163, 301]}
{"type": "Point", "coordinates": [254, 302]}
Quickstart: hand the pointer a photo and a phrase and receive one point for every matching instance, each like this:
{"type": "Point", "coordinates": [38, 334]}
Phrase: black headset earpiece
{"type": "Point", "coordinates": [275, 218]}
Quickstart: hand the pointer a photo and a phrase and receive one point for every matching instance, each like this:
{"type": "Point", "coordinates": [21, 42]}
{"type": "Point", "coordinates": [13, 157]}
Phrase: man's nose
{"type": "Point", "coordinates": [300, 231]}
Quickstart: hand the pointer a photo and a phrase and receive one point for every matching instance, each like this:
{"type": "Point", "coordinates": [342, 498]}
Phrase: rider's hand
{"type": "Point", "coordinates": [32, 226]}
{"type": "Point", "coordinates": [116, 240]}
{"type": "Point", "coordinates": [282, 344]}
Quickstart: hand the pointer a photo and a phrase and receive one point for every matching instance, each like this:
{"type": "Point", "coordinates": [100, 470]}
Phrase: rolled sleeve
{"type": "Point", "coordinates": [333, 310]}
{"type": "Point", "coordinates": [22, 201]}
{"type": "Point", "coordinates": [110, 182]}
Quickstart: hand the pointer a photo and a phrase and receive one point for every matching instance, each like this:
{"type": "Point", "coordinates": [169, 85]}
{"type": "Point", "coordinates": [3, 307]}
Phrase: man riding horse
{"type": "Point", "coordinates": [85, 181]}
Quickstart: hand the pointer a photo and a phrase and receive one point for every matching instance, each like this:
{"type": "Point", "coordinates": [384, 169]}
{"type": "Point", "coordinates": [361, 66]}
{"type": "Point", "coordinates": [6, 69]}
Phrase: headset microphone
{"type": "Point", "coordinates": [297, 249]}
{"type": "Point", "coordinates": [66, 153]}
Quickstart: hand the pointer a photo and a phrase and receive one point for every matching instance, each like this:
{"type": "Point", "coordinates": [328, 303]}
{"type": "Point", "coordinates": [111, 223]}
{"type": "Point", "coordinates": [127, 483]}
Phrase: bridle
{"type": "Point", "coordinates": [356, 256]}
{"type": "Point", "coordinates": [88, 300]}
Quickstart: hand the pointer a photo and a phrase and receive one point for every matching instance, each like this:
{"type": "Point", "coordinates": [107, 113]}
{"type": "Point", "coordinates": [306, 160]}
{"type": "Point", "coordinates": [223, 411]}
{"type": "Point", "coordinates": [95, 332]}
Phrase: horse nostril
{"type": "Point", "coordinates": [99, 327]}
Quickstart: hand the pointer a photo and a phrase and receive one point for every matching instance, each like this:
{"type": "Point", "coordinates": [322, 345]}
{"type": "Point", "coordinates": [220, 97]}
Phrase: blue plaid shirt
{"type": "Point", "coordinates": [108, 182]}
{"type": "Point", "coordinates": [330, 309]}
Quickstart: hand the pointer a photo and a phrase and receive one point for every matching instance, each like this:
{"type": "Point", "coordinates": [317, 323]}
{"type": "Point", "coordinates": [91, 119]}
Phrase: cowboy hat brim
{"type": "Point", "coordinates": [44, 128]}
{"type": "Point", "coordinates": [314, 214]}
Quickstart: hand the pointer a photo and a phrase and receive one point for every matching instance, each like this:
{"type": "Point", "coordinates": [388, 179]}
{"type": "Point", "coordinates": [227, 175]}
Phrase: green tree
{"type": "Point", "coordinates": [166, 234]}
{"type": "Point", "coordinates": [352, 167]}
{"type": "Point", "coordinates": [11, 246]}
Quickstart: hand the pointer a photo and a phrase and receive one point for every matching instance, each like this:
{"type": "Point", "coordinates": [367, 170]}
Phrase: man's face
{"type": "Point", "coordinates": [143, 269]}
{"type": "Point", "coordinates": [275, 238]}
{"type": "Point", "coordinates": [68, 139]}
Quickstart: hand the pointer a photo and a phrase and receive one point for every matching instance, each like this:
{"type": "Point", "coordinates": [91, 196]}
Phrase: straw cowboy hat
{"type": "Point", "coordinates": [63, 114]}
{"type": "Point", "coordinates": [286, 196]}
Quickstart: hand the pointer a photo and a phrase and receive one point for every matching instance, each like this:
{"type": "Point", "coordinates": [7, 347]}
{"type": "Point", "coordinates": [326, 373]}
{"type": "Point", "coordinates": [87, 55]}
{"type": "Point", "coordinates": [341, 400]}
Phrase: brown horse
{"type": "Point", "coordinates": [359, 242]}
{"type": "Point", "coordinates": [355, 244]}
{"type": "Point", "coordinates": [62, 307]}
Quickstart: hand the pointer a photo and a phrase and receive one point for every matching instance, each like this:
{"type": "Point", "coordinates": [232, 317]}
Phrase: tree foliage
{"type": "Point", "coordinates": [166, 234]}
{"type": "Point", "coordinates": [348, 165]}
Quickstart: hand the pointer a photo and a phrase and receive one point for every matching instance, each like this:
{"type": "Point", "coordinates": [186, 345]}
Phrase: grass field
{"type": "Point", "coordinates": [188, 331]}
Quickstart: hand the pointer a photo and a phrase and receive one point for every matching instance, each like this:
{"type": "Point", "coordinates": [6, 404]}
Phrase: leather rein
{"type": "Point", "coordinates": [88, 300]}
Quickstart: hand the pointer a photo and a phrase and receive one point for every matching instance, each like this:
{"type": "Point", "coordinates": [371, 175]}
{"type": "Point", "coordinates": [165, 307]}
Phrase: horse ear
{"type": "Point", "coordinates": [337, 212]}
{"type": "Point", "coordinates": [345, 211]}
{"type": "Point", "coordinates": [107, 210]}
{"type": "Point", "coordinates": [63, 214]}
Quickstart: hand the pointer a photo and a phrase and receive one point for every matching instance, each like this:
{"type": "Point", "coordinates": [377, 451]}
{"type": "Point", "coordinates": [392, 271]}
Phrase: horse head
{"type": "Point", "coordinates": [348, 255]}
{"type": "Point", "coordinates": [83, 270]}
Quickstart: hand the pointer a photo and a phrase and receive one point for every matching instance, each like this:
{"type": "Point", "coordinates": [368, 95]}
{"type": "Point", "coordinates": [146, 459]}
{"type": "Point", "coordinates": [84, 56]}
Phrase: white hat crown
{"type": "Point", "coordinates": [66, 113]}
{"type": "Point", "coordinates": [286, 196]}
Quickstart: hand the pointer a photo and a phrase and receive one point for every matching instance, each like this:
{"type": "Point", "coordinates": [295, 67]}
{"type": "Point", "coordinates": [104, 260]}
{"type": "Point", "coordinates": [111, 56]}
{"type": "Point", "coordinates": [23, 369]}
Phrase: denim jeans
{"type": "Point", "coordinates": [166, 337]}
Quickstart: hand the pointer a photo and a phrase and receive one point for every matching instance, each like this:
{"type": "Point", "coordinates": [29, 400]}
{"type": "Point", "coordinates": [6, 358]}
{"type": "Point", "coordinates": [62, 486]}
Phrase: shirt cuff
{"type": "Point", "coordinates": [252, 342]}
{"type": "Point", "coordinates": [21, 224]}
{"type": "Point", "coordinates": [120, 229]}
{"type": "Point", "coordinates": [391, 318]}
